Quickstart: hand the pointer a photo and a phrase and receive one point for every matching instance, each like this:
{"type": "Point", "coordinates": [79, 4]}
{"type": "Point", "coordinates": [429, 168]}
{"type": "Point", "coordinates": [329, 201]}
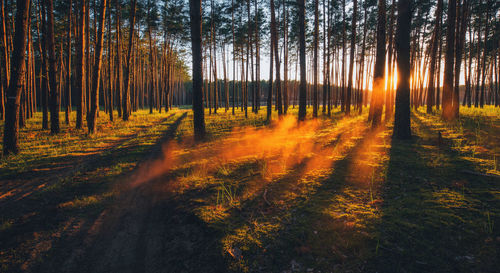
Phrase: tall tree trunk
{"type": "Point", "coordinates": [196, 47]}
{"type": "Point", "coordinates": [461, 21]}
{"type": "Point", "coordinates": [315, 59]}
{"type": "Point", "coordinates": [54, 91]}
{"type": "Point", "coordinates": [483, 63]}
{"type": "Point", "coordinates": [353, 50]}
{"type": "Point", "coordinates": [68, 64]}
{"type": "Point", "coordinates": [80, 66]}
{"type": "Point", "coordinates": [302, 57]}
{"type": "Point", "coordinates": [43, 53]}
{"type": "Point", "coordinates": [96, 75]}
{"type": "Point", "coordinates": [344, 26]}
{"type": "Point", "coordinates": [110, 72]}
{"type": "Point", "coordinates": [17, 69]}
{"type": "Point", "coordinates": [402, 128]}
{"type": "Point", "coordinates": [434, 47]}
{"type": "Point", "coordinates": [4, 59]}
{"type": "Point", "coordinates": [270, 90]}
{"type": "Point", "coordinates": [449, 62]}
{"type": "Point", "coordinates": [234, 56]}
{"type": "Point", "coordinates": [377, 100]}
{"type": "Point", "coordinates": [257, 59]}
{"type": "Point", "coordinates": [274, 34]}
{"type": "Point", "coordinates": [389, 97]}
{"type": "Point", "coordinates": [118, 69]}
{"type": "Point", "coordinates": [126, 94]}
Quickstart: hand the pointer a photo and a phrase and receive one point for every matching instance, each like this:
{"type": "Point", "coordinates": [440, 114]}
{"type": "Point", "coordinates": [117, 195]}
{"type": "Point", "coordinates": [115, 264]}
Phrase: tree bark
{"type": "Point", "coordinates": [302, 57]}
{"type": "Point", "coordinates": [126, 94]}
{"type": "Point", "coordinates": [80, 66]}
{"type": "Point", "coordinates": [196, 47]}
{"type": "Point", "coordinates": [402, 129]}
{"type": "Point", "coordinates": [315, 59]}
{"type": "Point", "coordinates": [17, 77]}
{"type": "Point", "coordinates": [54, 91]}
{"type": "Point", "coordinates": [447, 113]}
{"type": "Point", "coordinates": [353, 50]}
{"type": "Point", "coordinates": [377, 100]}
{"type": "Point", "coordinates": [434, 47]}
{"type": "Point", "coordinates": [96, 75]}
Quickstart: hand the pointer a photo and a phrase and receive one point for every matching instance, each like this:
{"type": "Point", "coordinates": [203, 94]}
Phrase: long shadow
{"type": "Point", "coordinates": [295, 220]}
{"type": "Point", "coordinates": [155, 233]}
{"type": "Point", "coordinates": [433, 216]}
{"type": "Point", "coordinates": [50, 169]}
{"type": "Point", "coordinates": [44, 214]}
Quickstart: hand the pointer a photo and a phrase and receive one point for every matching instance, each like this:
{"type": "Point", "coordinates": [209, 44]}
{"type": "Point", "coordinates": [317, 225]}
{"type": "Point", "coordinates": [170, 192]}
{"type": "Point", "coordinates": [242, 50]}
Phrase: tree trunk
{"type": "Point", "coordinates": [80, 66]}
{"type": "Point", "coordinates": [54, 91]}
{"type": "Point", "coordinates": [315, 58]}
{"type": "Point", "coordinates": [96, 75]}
{"type": "Point", "coordinates": [196, 47]}
{"type": "Point", "coordinates": [402, 129]}
{"type": "Point", "coordinates": [461, 21]}
{"type": "Point", "coordinates": [68, 69]}
{"type": "Point", "coordinates": [353, 48]}
{"type": "Point", "coordinates": [126, 94]}
{"type": "Point", "coordinates": [483, 75]}
{"type": "Point", "coordinates": [4, 59]}
{"type": "Point", "coordinates": [449, 63]}
{"type": "Point", "coordinates": [17, 77]}
{"type": "Point", "coordinates": [434, 47]}
{"type": "Point", "coordinates": [274, 34]}
{"type": "Point", "coordinates": [377, 100]}
{"type": "Point", "coordinates": [302, 57]}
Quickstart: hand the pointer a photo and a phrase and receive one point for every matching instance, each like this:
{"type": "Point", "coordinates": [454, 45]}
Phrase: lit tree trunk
{"type": "Point", "coordinates": [17, 77]}
{"type": "Point", "coordinates": [4, 59]}
{"type": "Point", "coordinates": [302, 57]}
{"type": "Point", "coordinates": [94, 102]}
{"type": "Point", "coordinates": [377, 100]}
{"type": "Point", "coordinates": [150, 75]}
{"type": "Point", "coordinates": [402, 129]}
{"type": "Point", "coordinates": [110, 73]}
{"type": "Point", "coordinates": [43, 54]}
{"type": "Point", "coordinates": [449, 63]}
{"type": "Point", "coordinates": [353, 48]}
{"type": "Point", "coordinates": [198, 119]}
{"type": "Point", "coordinates": [126, 94]}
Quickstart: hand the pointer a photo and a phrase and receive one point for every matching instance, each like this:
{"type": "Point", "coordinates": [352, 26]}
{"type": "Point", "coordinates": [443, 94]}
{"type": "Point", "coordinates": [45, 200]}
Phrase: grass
{"type": "Point", "coordinates": [332, 195]}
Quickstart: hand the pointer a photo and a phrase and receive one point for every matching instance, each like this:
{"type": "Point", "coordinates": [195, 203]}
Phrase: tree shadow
{"type": "Point", "coordinates": [60, 217]}
{"type": "Point", "coordinates": [433, 216]}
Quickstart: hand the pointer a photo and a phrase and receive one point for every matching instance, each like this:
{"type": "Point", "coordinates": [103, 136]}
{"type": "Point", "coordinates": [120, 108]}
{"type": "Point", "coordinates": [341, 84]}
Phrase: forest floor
{"type": "Point", "coordinates": [332, 195]}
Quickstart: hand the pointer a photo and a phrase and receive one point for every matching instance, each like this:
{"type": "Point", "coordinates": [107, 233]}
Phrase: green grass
{"type": "Point", "coordinates": [331, 195]}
